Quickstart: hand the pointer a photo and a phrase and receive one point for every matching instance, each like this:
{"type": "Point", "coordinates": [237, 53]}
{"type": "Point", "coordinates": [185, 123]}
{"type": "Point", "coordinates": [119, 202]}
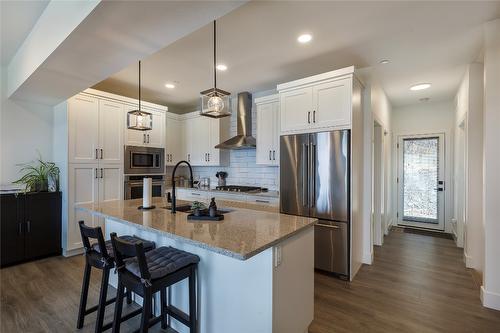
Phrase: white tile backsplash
{"type": "Point", "coordinates": [242, 169]}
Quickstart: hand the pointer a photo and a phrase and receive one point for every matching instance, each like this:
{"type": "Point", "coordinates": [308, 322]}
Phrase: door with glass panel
{"type": "Point", "coordinates": [421, 181]}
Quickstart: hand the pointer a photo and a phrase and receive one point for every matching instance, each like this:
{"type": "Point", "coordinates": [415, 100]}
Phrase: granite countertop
{"type": "Point", "coordinates": [246, 230]}
{"type": "Point", "coordinates": [270, 194]}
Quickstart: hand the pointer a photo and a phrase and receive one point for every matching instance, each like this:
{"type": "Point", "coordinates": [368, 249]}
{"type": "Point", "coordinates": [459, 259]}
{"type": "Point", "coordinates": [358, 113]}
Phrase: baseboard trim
{"type": "Point", "coordinates": [368, 258]}
{"type": "Point", "coordinates": [489, 299]}
{"type": "Point", "coordinates": [73, 252]}
{"type": "Point", "coordinates": [469, 262]}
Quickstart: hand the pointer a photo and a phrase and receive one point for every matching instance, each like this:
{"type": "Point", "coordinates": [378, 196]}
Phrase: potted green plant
{"type": "Point", "coordinates": [38, 175]}
{"type": "Point", "coordinates": [198, 207]}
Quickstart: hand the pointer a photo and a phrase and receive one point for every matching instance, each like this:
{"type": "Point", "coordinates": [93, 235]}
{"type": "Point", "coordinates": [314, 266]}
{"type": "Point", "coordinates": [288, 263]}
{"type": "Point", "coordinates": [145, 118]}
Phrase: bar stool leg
{"type": "Point", "coordinates": [129, 296]}
{"type": "Point", "coordinates": [146, 310]}
{"type": "Point", "coordinates": [118, 307]}
{"type": "Point", "coordinates": [192, 300]}
{"type": "Point", "coordinates": [163, 305]}
{"type": "Point", "coordinates": [102, 300]}
{"type": "Point", "coordinates": [83, 296]}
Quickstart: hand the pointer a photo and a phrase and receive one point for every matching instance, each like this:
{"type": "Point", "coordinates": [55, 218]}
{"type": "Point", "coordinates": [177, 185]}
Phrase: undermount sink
{"type": "Point", "coordinates": [187, 209]}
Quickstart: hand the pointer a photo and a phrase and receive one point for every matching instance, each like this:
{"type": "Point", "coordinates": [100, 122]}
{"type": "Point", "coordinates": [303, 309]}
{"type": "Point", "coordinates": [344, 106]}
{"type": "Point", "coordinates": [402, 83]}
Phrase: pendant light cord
{"type": "Point", "coordinates": [215, 56]}
{"type": "Point", "coordinates": [140, 86]}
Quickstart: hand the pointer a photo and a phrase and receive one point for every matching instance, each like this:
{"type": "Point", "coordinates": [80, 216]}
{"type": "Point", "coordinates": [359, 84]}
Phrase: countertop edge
{"type": "Point", "coordinates": [219, 250]}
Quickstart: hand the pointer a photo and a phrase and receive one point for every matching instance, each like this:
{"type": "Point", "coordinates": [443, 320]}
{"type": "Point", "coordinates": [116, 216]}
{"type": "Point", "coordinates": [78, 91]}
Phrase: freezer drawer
{"type": "Point", "coordinates": [331, 247]}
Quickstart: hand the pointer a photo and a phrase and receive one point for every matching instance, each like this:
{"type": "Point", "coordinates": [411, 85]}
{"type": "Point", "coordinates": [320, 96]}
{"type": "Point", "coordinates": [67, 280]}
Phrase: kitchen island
{"type": "Point", "coordinates": [256, 270]}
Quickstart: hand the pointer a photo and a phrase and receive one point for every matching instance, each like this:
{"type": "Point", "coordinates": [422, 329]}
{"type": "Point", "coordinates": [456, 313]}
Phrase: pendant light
{"type": "Point", "coordinates": [215, 102]}
{"type": "Point", "coordinates": [137, 119]}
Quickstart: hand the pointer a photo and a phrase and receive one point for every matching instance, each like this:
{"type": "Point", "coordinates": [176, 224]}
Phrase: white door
{"type": "Point", "coordinates": [133, 137]}
{"type": "Point", "coordinates": [265, 134]}
{"type": "Point", "coordinates": [83, 123]}
{"type": "Point", "coordinates": [83, 189]}
{"type": "Point", "coordinates": [296, 110]}
{"type": "Point", "coordinates": [174, 141]}
{"type": "Point", "coordinates": [155, 137]}
{"type": "Point", "coordinates": [110, 186]}
{"type": "Point", "coordinates": [421, 181]}
{"type": "Point", "coordinates": [332, 104]}
{"type": "Point", "coordinates": [110, 132]}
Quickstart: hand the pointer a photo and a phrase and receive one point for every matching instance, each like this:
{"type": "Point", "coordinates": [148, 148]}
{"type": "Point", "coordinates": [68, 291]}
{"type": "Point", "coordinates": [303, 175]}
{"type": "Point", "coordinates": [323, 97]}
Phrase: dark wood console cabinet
{"type": "Point", "coordinates": [30, 226]}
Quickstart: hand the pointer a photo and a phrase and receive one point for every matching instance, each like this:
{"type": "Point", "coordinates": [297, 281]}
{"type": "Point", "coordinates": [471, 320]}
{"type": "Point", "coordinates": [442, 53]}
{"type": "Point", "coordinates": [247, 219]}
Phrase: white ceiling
{"type": "Point", "coordinates": [17, 20]}
{"type": "Point", "coordinates": [424, 41]}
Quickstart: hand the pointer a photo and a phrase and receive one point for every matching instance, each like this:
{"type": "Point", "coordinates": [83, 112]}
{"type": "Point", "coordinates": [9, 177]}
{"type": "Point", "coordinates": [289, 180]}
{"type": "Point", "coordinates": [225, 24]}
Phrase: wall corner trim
{"type": "Point", "coordinates": [489, 299]}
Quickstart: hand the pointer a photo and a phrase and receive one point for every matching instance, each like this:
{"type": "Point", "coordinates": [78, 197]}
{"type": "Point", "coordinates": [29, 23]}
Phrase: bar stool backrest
{"type": "Point", "coordinates": [93, 233]}
{"type": "Point", "coordinates": [124, 249]}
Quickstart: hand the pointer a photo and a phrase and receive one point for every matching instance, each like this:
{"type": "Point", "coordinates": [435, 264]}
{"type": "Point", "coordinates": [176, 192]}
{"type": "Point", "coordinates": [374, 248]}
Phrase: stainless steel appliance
{"type": "Point", "coordinates": [314, 172]}
{"type": "Point", "coordinates": [134, 186]}
{"type": "Point", "coordinates": [144, 160]}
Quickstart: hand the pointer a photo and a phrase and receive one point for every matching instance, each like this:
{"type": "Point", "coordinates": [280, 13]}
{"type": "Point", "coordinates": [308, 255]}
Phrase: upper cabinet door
{"type": "Point", "coordinates": [155, 137]}
{"type": "Point", "coordinates": [83, 123]}
{"type": "Point", "coordinates": [133, 137]}
{"type": "Point", "coordinates": [296, 109]}
{"type": "Point", "coordinates": [110, 132]}
{"type": "Point", "coordinates": [213, 157]}
{"type": "Point", "coordinates": [174, 141]}
{"type": "Point", "coordinates": [265, 133]}
{"type": "Point", "coordinates": [332, 104]}
{"type": "Point", "coordinates": [276, 133]}
{"type": "Point", "coordinates": [201, 140]}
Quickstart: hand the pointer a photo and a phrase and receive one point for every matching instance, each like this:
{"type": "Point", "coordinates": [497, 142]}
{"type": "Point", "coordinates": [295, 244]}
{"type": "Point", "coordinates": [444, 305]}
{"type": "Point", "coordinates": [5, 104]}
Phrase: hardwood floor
{"type": "Point", "coordinates": [417, 283]}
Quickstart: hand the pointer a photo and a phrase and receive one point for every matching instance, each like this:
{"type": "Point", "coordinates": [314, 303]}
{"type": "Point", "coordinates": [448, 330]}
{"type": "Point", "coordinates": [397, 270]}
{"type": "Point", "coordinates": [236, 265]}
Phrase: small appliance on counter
{"type": "Point", "coordinates": [221, 176]}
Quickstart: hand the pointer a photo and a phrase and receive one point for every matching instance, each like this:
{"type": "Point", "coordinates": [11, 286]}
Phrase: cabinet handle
{"type": "Point", "coordinates": [308, 117]}
{"type": "Point", "coordinates": [195, 193]}
{"type": "Point", "coordinates": [143, 138]}
{"type": "Point", "coordinates": [274, 155]}
{"type": "Point", "coordinates": [28, 226]}
{"type": "Point", "coordinates": [96, 154]}
{"type": "Point", "coordinates": [96, 173]}
{"type": "Point", "coordinates": [189, 157]}
{"type": "Point", "coordinates": [102, 173]}
{"type": "Point", "coordinates": [208, 157]}
{"type": "Point", "coordinates": [269, 155]}
{"type": "Point", "coordinates": [148, 138]}
{"type": "Point", "coordinates": [19, 228]}
{"type": "Point", "coordinates": [101, 153]}
{"type": "Point", "coordinates": [314, 116]}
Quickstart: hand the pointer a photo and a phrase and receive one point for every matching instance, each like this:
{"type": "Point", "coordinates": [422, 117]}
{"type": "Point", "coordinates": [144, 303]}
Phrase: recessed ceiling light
{"type": "Point", "coordinates": [384, 61]}
{"type": "Point", "coordinates": [305, 38]}
{"type": "Point", "coordinates": [170, 85]}
{"type": "Point", "coordinates": [420, 86]}
{"type": "Point", "coordinates": [221, 67]}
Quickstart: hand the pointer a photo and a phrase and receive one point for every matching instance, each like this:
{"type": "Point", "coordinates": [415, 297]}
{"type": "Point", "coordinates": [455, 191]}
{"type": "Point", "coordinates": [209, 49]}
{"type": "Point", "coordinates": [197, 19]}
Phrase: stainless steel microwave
{"type": "Point", "coordinates": [144, 160]}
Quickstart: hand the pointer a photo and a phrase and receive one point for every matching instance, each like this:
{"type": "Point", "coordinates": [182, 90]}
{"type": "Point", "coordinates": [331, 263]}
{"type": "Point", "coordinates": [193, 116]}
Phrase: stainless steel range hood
{"type": "Point", "coordinates": [243, 138]}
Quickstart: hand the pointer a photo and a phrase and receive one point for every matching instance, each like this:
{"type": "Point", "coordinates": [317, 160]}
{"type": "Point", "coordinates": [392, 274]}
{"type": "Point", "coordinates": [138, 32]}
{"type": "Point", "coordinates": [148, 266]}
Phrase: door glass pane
{"type": "Point", "coordinates": [420, 179]}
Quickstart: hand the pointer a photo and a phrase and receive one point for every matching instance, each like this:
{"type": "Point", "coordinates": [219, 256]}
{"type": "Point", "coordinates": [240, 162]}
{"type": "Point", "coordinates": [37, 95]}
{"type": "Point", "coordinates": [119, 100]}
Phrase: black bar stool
{"type": "Point", "coordinates": [149, 273]}
{"type": "Point", "coordinates": [100, 255]}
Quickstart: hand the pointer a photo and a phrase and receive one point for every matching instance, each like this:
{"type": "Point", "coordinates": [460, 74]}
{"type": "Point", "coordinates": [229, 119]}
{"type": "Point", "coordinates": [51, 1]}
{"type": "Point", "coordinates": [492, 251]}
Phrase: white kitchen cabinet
{"type": "Point", "coordinates": [110, 132]}
{"type": "Point", "coordinates": [201, 135]}
{"type": "Point", "coordinates": [317, 103]}
{"type": "Point", "coordinates": [83, 120]}
{"type": "Point", "coordinates": [332, 103]}
{"type": "Point", "coordinates": [267, 151]}
{"type": "Point", "coordinates": [175, 144]}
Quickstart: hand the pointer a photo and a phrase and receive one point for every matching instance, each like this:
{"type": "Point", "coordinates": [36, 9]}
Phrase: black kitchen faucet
{"type": "Point", "coordinates": [173, 182]}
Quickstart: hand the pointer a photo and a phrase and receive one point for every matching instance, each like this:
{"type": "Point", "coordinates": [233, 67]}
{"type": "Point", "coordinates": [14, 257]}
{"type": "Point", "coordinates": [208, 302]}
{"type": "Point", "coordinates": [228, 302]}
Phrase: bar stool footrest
{"type": "Point", "coordinates": [152, 321]}
{"type": "Point", "coordinates": [124, 318]}
{"type": "Point", "coordinates": [178, 314]}
{"type": "Point", "coordinates": [94, 308]}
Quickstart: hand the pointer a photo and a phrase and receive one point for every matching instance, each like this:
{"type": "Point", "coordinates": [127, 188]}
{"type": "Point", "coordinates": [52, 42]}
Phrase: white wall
{"type": "Point", "coordinates": [426, 118]}
{"type": "Point", "coordinates": [25, 128]}
{"type": "Point", "coordinates": [469, 110]}
{"type": "Point", "coordinates": [490, 291]}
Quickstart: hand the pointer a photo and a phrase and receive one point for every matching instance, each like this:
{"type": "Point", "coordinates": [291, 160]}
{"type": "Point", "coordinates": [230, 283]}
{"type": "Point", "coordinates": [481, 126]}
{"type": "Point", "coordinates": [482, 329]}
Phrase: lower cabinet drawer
{"type": "Point", "coordinates": [261, 200]}
{"type": "Point", "coordinates": [190, 195]}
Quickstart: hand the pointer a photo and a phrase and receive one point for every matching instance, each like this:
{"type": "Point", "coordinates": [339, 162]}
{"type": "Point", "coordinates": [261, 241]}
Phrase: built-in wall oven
{"type": "Point", "coordinates": [144, 161]}
{"type": "Point", "coordinates": [134, 186]}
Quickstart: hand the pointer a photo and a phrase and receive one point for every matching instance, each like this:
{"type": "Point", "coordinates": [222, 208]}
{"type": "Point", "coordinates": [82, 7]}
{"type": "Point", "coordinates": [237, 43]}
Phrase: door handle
{"type": "Point", "coordinates": [209, 157]}
{"type": "Point", "coordinates": [193, 193]}
{"type": "Point", "coordinates": [274, 155]}
{"type": "Point", "coordinates": [19, 228]}
{"type": "Point", "coordinates": [101, 153]}
{"type": "Point", "coordinates": [269, 155]}
{"type": "Point", "coordinates": [313, 173]}
{"type": "Point", "coordinates": [189, 157]}
{"type": "Point", "coordinates": [102, 173]}
{"type": "Point", "coordinates": [148, 138]}
{"type": "Point", "coordinates": [308, 117]}
{"type": "Point", "coordinates": [314, 116]}
{"type": "Point", "coordinates": [96, 154]}
{"type": "Point", "coordinates": [328, 226]}
{"type": "Point", "coordinates": [305, 173]}
{"type": "Point", "coordinates": [262, 201]}
{"type": "Point", "coordinates": [96, 176]}
{"type": "Point", "coordinates": [143, 138]}
{"type": "Point", "coordinates": [28, 226]}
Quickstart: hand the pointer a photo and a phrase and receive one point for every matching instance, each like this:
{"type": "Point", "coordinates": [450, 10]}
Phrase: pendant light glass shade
{"type": "Point", "coordinates": [215, 103]}
{"type": "Point", "coordinates": [138, 119]}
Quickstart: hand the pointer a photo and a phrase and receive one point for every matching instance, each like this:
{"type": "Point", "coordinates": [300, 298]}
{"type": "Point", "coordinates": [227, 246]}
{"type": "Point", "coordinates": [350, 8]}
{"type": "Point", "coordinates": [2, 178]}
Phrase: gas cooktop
{"type": "Point", "coordinates": [241, 188]}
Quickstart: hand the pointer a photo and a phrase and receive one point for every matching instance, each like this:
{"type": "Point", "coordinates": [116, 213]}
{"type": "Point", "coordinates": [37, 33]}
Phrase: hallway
{"type": "Point", "coordinates": [417, 283]}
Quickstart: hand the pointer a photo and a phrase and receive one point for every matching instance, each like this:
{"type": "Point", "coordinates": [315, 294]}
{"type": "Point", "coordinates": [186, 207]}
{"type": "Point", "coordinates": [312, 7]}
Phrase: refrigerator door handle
{"type": "Point", "coordinates": [331, 226]}
{"type": "Point", "coordinates": [305, 174]}
{"type": "Point", "coordinates": [312, 160]}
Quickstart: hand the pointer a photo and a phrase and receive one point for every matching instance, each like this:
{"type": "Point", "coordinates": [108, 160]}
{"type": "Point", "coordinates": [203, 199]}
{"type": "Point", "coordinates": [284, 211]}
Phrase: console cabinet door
{"type": "Point", "coordinates": [12, 228]}
{"type": "Point", "coordinates": [43, 224]}
{"type": "Point", "coordinates": [296, 109]}
{"type": "Point", "coordinates": [83, 121]}
{"type": "Point", "coordinates": [332, 104]}
{"type": "Point", "coordinates": [110, 132]}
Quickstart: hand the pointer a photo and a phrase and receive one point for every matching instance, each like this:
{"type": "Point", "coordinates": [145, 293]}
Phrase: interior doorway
{"type": "Point", "coordinates": [420, 181]}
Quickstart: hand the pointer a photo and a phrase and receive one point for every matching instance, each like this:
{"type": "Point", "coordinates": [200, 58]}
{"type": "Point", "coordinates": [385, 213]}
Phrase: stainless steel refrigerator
{"type": "Point", "coordinates": [314, 181]}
